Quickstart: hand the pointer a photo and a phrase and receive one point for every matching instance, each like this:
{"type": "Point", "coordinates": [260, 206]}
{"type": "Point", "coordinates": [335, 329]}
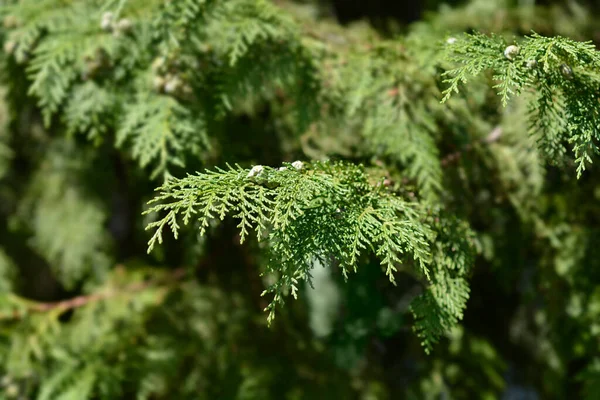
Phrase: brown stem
{"type": "Point", "coordinates": [80, 301]}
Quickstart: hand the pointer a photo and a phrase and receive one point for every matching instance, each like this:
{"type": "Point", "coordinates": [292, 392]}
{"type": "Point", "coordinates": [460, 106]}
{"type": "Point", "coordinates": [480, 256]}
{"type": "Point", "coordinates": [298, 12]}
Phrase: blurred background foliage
{"type": "Point", "coordinates": [187, 323]}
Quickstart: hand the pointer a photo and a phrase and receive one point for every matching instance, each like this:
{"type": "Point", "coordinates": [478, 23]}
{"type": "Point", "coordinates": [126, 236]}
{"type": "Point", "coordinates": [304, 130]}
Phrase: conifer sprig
{"type": "Point", "coordinates": [332, 197]}
{"type": "Point", "coordinates": [326, 211]}
{"type": "Point", "coordinates": [562, 72]}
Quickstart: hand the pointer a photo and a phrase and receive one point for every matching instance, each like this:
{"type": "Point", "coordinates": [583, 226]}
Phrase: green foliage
{"type": "Point", "coordinates": [402, 126]}
{"type": "Point", "coordinates": [74, 360]}
{"type": "Point", "coordinates": [562, 72]}
{"type": "Point", "coordinates": [160, 128]}
{"type": "Point", "coordinates": [58, 196]}
{"type": "Point", "coordinates": [441, 307]}
{"type": "Point", "coordinates": [352, 214]}
{"type": "Point", "coordinates": [107, 99]}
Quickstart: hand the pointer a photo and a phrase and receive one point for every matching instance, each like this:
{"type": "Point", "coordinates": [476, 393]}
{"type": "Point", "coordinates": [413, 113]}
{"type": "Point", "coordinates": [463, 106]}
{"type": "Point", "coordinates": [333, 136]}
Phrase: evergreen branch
{"type": "Point", "coordinates": [319, 210]}
{"type": "Point", "coordinates": [161, 129]}
{"type": "Point", "coordinates": [563, 72]}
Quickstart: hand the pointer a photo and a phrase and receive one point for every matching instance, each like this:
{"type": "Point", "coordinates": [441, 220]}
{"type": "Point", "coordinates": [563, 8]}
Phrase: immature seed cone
{"type": "Point", "coordinates": [256, 171]}
{"type": "Point", "coordinates": [107, 21]}
{"type": "Point", "coordinates": [158, 83]}
{"type": "Point", "coordinates": [9, 46]}
{"type": "Point", "coordinates": [158, 64]}
{"type": "Point", "coordinates": [10, 22]}
{"type": "Point", "coordinates": [172, 85]}
{"type": "Point", "coordinates": [124, 25]}
{"type": "Point", "coordinates": [566, 71]}
{"type": "Point", "coordinates": [511, 52]}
